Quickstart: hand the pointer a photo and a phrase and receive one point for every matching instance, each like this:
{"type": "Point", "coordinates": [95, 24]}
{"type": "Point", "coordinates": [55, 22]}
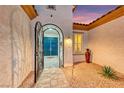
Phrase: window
{"type": "Point", "coordinates": [77, 43]}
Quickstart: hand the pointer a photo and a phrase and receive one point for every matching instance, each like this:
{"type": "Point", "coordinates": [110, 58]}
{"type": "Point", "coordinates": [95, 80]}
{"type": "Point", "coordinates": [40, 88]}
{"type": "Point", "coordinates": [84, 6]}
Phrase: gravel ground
{"type": "Point", "coordinates": [87, 76]}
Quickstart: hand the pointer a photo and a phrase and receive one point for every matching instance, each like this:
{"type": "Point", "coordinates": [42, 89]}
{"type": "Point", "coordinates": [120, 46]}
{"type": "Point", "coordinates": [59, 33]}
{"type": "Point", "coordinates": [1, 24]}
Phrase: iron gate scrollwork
{"type": "Point", "coordinates": [38, 50]}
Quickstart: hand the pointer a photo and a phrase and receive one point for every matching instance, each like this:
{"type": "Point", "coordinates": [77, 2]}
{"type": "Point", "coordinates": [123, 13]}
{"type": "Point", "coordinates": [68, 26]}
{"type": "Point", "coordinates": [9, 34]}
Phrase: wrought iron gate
{"type": "Point", "coordinates": [38, 50]}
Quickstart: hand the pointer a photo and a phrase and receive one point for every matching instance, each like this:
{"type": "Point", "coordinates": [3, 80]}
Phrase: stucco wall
{"type": "Point", "coordinates": [15, 46]}
{"type": "Point", "coordinates": [107, 44]}
{"type": "Point", "coordinates": [22, 46]}
{"type": "Point", "coordinates": [5, 46]}
{"type": "Point", "coordinates": [62, 17]}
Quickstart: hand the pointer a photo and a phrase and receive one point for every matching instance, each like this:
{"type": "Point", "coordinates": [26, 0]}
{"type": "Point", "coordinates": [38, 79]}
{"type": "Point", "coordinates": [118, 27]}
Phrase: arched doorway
{"type": "Point", "coordinates": [49, 47]}
{"type": "Point", "coordinates": [52, 46]}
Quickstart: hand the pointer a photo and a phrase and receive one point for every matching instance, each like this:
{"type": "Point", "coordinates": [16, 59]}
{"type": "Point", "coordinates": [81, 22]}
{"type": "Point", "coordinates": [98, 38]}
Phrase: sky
{"type": "Point", "coordinates": [85, 14]}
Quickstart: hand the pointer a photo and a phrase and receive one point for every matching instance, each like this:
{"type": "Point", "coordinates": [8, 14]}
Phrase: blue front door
{"type": "Point", "coordinates": [50, 46]}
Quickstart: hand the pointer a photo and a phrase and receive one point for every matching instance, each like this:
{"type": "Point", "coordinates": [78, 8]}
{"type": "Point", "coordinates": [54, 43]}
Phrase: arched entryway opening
{"type": "Point", "coordinates": [49, 47]}
{"type": "Point", "coordinates": [53, 46]}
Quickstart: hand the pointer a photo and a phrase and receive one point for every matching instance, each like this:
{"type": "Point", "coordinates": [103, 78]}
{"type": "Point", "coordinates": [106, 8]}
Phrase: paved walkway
{"type": "Point", "coordinates": [52, 78]}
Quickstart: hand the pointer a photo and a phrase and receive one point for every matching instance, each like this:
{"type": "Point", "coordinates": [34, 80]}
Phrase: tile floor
{"type": "Point", "coordinates": [52, 78]}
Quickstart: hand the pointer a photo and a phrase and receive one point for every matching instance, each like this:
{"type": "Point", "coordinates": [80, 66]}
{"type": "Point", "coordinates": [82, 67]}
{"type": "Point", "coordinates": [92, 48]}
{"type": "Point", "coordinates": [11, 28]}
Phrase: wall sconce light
{"type": "Point", "coordinates": [68, 41]}
{"type": "Point", "coordinates": [68, 38]}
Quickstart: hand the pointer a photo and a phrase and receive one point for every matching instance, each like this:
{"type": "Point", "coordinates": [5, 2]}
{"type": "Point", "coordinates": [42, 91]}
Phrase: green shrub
{"type": "Point", "coordinates": [108, 72]}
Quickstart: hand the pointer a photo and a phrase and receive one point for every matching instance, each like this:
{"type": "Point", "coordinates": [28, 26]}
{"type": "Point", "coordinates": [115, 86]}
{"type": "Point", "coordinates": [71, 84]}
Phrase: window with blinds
{"type": "Point", "coordinates": [77, 42]}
